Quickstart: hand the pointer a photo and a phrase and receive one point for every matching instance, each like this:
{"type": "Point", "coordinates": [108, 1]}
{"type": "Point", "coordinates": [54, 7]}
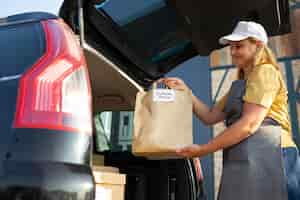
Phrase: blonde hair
{"type": "Point", "coordinates": [263, 56]}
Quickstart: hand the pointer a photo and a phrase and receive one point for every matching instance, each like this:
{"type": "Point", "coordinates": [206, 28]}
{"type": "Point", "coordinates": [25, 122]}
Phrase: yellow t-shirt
{"type": "Point", "coordinates": [265, 86]}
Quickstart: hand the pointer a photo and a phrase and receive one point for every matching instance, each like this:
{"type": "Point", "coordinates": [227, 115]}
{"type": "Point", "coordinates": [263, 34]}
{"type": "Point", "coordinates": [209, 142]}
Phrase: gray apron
{"type": "Point", "coordinates": [252, 169]}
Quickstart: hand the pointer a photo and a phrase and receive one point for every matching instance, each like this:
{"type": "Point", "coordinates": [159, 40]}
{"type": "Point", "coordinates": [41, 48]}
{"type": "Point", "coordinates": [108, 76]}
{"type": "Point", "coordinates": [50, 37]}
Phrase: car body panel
{"type": "Point", "coordinates": [36, 163]}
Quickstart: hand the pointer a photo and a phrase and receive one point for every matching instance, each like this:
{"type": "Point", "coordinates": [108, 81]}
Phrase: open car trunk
{"type": "Point", "coordinates": [129, 44]}
{"type": "Point", "coordinates": [152, 37]}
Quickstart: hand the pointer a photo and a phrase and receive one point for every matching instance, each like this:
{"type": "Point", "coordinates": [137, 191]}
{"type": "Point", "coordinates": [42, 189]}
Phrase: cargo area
{"type": "Point", "coordinates": [144, 179]}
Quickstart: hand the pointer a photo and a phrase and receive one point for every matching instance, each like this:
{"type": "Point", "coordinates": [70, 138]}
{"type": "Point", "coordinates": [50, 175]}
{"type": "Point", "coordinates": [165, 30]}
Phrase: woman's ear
{"type": "Point", "coordinates": [259, 44]}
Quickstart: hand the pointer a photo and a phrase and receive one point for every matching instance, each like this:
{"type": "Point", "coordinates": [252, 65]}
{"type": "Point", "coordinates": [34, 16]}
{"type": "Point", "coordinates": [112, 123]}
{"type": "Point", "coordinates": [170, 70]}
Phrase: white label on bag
{"type": "Point", "coordinates": [163, 95]}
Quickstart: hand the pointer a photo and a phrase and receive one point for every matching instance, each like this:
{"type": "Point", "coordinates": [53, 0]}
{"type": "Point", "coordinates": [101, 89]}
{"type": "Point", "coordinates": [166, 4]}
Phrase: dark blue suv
{"type": "Point", "coordinates": [68, 88]}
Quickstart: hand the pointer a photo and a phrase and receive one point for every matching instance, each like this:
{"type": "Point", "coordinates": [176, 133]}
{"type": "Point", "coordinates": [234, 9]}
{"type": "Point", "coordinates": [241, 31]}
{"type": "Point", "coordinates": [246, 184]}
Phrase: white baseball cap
{"type": "Point", "coordinates": [244, 30]}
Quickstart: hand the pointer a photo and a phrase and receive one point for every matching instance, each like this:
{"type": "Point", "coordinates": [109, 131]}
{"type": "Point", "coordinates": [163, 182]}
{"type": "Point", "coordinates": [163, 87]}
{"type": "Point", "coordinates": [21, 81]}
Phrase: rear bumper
{"type": "Point", "coordinates": [45, 181]}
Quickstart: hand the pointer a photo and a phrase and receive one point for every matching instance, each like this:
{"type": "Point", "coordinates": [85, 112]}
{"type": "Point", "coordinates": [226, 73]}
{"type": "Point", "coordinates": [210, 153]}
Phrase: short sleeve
{"type": "Point", "coordinates": [262, 85]}
{"type": "Point", "coordinates": [220, 105]}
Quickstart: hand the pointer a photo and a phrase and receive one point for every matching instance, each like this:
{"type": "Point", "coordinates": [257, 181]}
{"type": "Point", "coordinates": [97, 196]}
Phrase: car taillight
{"type": "Point", "coordinates": [199, 173]}
{"type": "Point", "coordinates": [55, 92]}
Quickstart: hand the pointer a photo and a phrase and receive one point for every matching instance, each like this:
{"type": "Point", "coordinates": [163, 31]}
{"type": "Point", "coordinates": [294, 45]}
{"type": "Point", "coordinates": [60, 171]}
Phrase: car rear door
{"type": "Point", "coordinates": [149, 38]}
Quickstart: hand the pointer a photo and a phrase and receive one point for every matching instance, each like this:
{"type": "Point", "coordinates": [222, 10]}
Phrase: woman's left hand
{"type": "Point", "coordinates": [191, 151]}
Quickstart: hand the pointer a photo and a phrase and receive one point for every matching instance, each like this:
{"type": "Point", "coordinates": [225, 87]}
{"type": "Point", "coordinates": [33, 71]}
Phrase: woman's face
{"type": "Point", "coordinates": [243, 52]}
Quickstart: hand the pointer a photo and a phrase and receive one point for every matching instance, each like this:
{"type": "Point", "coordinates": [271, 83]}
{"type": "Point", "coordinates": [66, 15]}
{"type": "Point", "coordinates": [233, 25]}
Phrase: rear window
{"type": "Point", "coordinates": [129, 11]}
{"type": "Point", "coordinates": [151, 19]}
{"type": "Point", "coordinates": [113, 131]}
{"type": "Point", "coordinates": [21, 46]}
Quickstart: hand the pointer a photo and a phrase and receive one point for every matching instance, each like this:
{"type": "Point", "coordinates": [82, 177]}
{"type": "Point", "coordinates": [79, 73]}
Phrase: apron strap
{"type": "Point", "coordinates": [270, 121]}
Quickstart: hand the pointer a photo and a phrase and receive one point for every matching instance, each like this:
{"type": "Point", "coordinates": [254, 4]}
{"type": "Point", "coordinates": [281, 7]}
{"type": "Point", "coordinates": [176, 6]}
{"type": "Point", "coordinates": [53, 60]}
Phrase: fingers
{"type": "Point", "coordinates": [169, 79]}
{"type": "Point", "coordinates": [173, 80]}
{"type": "Point", "coordinates": [185, 152]}
{"type": "Point", "coordinates": [173, 83]}
{"type": "Point", "coordinates": [189, 151]}
{"type": "Point", "coordinates": [161, 80]}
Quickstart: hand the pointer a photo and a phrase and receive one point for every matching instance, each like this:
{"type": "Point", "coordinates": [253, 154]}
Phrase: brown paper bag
{"type": "Point", "coordinates": [162, 123]}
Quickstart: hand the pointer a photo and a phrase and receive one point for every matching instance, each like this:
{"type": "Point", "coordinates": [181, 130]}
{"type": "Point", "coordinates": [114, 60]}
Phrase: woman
{"type": "Point", "coordinates": [260, 159]}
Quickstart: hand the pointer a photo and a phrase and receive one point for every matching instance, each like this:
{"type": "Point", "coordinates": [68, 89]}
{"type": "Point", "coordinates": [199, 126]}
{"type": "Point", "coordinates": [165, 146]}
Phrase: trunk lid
{"type": "Point", "coordinates": [147, 39]}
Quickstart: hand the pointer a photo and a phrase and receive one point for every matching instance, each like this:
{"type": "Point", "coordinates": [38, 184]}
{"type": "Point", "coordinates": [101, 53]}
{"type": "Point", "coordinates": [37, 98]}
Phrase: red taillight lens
{"type": "Point", "coordinates": [198, 168]}
{"type": "Point", "coordinates": [55, 92]}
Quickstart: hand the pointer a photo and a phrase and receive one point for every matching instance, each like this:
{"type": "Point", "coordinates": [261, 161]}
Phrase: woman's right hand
{"type": "Point", "coordinates": [174, 83]}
